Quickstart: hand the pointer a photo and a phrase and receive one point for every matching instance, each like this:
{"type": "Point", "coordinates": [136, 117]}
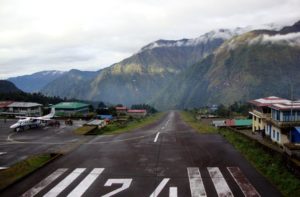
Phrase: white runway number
{"type": "Point", "coordinates": [85, 179]}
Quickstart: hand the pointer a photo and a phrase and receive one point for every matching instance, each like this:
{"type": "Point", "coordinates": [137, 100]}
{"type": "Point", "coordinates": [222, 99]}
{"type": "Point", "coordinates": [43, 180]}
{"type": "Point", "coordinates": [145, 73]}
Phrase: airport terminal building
{"type": "Point", "coordinates": [71, 108]}
{"type": "Point", "coordinates": [10, 108]}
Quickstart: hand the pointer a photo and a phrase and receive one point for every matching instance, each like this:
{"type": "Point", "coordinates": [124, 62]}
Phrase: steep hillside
{"type": "Point", "coordinates": [252, 65]}
{"type": "Point", "coordinates": [8, 87]}
{"type": "Point", "coordinates": [36, 81]}
{"type": "Point", "coordinates": [140, 77]}
{"type": "Point", "coordinates": [72, 84]}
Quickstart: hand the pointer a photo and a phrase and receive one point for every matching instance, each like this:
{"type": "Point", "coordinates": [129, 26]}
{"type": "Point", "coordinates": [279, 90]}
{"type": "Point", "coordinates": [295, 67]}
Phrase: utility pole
{"type": "Point", "coordinates": [291, 111]}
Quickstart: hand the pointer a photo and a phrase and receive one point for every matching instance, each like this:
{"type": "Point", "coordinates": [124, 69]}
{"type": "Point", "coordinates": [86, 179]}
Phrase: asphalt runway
{"type": "Point", "coordinates": [16, 146]}
{"type": "Point", "coordinates": [167, 158]}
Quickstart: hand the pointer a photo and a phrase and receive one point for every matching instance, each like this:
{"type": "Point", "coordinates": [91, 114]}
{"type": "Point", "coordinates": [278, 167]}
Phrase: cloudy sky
{"type": "Point", "coordinates": [40, 35]}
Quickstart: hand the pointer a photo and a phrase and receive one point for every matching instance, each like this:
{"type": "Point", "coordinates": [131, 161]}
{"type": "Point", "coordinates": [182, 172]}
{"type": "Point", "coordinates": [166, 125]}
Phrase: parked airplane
{"type": "Point", "coordinates": [32, 122]}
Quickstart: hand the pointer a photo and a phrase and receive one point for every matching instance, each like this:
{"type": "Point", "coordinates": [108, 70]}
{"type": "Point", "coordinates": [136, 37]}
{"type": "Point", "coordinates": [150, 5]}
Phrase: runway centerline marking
{"type": "Point", "coordinates": [3, 153]}
{"type": "Point", "coordinates": [160, 187]}
{"type": "Point", "coordinates": [86, 183]}
{"type": "Point", "coordinates": [156, 137]}
{"type": "Point", "coordinates": [244, 184]}
{"type": "Point", "coordinates": [219, 182]}
{"type": "Point", "coordinates": [45, 182]}
{"type": "Point", "coordinates": [61, 186]}
{"type": "Point", "coordinates": [196, 183]}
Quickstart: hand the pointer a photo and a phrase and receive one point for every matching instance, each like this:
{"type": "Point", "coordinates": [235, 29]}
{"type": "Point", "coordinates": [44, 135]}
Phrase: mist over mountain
{"type": "Point", "coordinates": [139, 78]}
{"type": "Point", "coordinates": [220, 66]}
{"type": "Point", "coordinates": [36, 81]}
{"type": "Point", "coordinates": [255, 64]}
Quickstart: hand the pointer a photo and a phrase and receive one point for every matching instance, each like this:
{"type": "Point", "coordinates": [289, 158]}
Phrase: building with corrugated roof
{"type": "Point", "coordinates": [277, 118]}
{"type": "Point", "coordinates": [23, 109]}
{"type": "Point", "coordinates": [121, 110]}
{"type": "Point", "coordinates": [285, 117]}
{"type": "Point", "coordinates": [261, 111]}
{"type": "Point", "coordinates": [71, 108]}
{"type": "Point", "coordinates": [137, 113]}
{"type": "Point", "coordinates": [4, 105]}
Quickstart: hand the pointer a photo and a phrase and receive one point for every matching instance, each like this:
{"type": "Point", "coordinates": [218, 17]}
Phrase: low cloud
{"type": "Point", "coordinates": [291, 39]}
{"type": "Point", "coordinates": [91, 34]}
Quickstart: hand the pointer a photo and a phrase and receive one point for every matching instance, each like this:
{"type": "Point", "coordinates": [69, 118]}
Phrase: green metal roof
{"type": "Point", "coordinates": [243, 122]}
{"type": "Point", "coordinates": [70, 105]}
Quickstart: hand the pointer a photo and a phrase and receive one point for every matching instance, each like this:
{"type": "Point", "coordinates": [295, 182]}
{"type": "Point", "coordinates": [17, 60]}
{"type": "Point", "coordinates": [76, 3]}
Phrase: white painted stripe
{"type": "Point", "coordinates": [173, 192]}
{"type": "Point", "coordinates": [64, 183]}
{"type": "Point", "coordinates": [3, 153]}
{"type": "Point", "coordinates": [219, 182]}
{"type": "Point", "coordinates": [3, 168]}
{"type": "Point", "coordinates": [156, 137]}
{"type": "Point", "coordinates": [86, 183]}
{"type": "Point", "coordinates": [196, 183]}
{"type": "Point", "coordinates": [45, 182]}
{"type": "Point", "coordinates": [244, 184]}
{"type": "Point", "coordinates": [160, 187]}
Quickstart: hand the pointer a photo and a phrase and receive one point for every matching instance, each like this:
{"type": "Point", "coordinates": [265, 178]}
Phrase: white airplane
{"type": "Point", "coordinates": [30, 122]}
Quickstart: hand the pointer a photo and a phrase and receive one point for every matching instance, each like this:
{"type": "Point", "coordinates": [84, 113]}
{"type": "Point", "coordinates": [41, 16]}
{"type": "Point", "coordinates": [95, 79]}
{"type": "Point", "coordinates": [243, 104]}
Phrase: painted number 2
{"type": "Point", "coordinates": [125, 184]}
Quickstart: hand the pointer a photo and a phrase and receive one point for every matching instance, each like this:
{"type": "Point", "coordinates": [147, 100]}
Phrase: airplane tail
{"type": "Point", "coordinates": [52, 113]}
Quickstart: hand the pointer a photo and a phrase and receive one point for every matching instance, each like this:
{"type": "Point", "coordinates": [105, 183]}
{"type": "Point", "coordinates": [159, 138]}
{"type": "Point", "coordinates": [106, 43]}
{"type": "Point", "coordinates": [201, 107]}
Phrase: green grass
{"type": "Point", "coordinates": [23, 168]}
{"type": "Point", "coordinates": [84, 130]}
{"type": "Point", "coordinates": [201, 127]}
{"type": "Point", "coordinates": [118, 128]}
{"type": "Point", "coordinates": [269, 165]}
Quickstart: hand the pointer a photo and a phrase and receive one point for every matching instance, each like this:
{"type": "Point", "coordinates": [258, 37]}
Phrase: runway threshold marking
{"type": "Point", "coordinates": [160, 187]}
{"type": "Point", "coordinates": [64, 183]}
{"type": "Point", "coordinates": [86, 183]}
{"type": "Point", "coordinates": [156, 137]}
{"type": "Point", "coordinates": [244, 184]}
{"type": "Point", "coordinates": [196, 183]}
{"type": "Point", "coordinates": [219, 182]}
{"type": "Point", "coordinates": [173, 192]}
{"type": "Point", "coordinates": [44, 183]}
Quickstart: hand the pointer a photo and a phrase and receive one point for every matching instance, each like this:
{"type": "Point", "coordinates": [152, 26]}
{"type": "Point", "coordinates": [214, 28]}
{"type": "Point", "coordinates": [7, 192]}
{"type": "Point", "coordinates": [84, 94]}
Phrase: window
{"type": "Point", "coordinates": [277, 136]}
{"type": "Point", "coordinates": [277, 115]}
{"type": "Point", "coordinates": [259, 120]}
{"type": "Point", "coordinates": [273, 134]}
{"type": "Point", "coordinates": [254, 118]}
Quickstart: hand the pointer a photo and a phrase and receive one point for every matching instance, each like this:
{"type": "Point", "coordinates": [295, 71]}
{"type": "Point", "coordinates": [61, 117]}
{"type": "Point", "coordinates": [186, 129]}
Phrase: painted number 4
{"type": "Point", "coordinates": [126, 184]}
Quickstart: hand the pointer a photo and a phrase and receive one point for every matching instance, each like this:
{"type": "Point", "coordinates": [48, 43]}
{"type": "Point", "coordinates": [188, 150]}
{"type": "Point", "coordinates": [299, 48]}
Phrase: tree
{"type": "Point", "coordinates": [101, 105]}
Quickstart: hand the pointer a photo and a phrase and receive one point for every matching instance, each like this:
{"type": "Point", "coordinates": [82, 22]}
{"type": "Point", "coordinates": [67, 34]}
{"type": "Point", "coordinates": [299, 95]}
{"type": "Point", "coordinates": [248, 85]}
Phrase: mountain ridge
{"type": "Point", "coordinates": [36, 81]}
{"type": "Point", "coordinates": [216, 67]}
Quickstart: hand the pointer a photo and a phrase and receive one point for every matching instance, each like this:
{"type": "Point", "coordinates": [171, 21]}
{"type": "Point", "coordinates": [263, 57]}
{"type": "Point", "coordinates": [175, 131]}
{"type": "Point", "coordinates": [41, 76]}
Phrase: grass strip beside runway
{"type": "Point", "coordinates": [189, 118]}
{"type": "Point", "coordinates": [118, 128]}
{"type": "Point", "coordinates": [270, 165]}
{"type": "Point", "coordinates": [85, 130]}
{"type": "Point", "coordinates": [23, 168]}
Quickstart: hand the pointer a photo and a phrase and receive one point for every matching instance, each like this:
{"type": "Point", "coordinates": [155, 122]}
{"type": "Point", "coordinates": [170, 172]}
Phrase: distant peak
{"type": "Point", "coordinates": [223, 34]}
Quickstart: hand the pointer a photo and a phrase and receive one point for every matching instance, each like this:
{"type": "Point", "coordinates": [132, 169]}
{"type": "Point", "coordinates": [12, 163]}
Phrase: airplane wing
{"type": "Point", "coordinates": [46, 117]}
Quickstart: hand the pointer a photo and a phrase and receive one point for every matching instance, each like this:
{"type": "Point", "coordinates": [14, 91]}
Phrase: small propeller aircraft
{"type": "Point", "coordinates": [32, 122]}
